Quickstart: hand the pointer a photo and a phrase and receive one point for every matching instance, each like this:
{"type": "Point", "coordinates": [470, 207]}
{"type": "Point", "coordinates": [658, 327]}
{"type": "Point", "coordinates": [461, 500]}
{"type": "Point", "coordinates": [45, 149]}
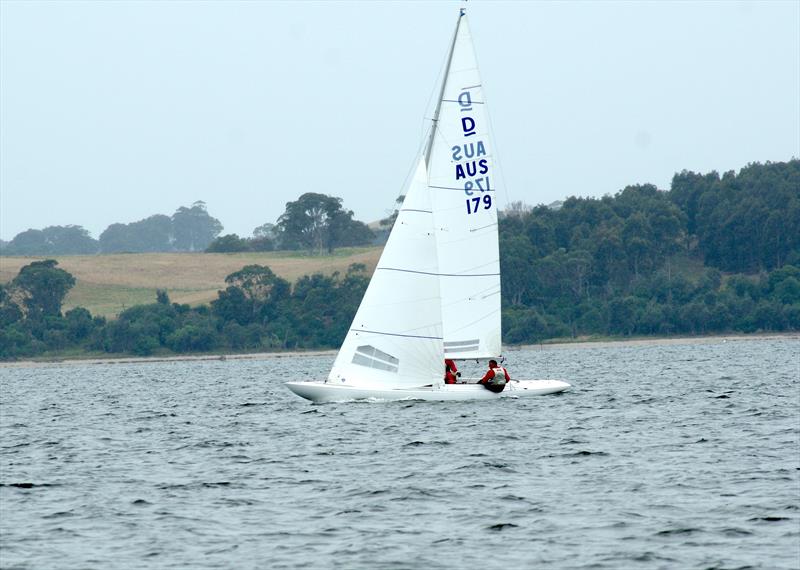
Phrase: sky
{"type": "Point", "coordinates": [114, 111]}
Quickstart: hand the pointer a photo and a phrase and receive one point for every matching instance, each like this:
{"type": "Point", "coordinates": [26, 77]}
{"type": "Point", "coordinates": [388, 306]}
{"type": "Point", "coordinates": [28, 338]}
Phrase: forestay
{"type": "Point", "coordinates": [395, 340]}
{"type": "Point", "coordinates": [461, 180]}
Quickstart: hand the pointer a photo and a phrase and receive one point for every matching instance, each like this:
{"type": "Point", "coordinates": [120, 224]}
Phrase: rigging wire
{"type": "Point", "coordinates": [409, 173]}
{"type": "Point", "coordinates": [425, 127]}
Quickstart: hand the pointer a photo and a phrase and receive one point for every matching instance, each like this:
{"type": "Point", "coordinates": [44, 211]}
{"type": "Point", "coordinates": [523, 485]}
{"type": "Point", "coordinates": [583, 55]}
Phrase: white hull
{"type": "Point", "coordinates": [323, 392]}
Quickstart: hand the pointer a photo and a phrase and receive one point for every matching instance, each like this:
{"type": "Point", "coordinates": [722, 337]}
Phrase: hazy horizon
{"type": "Point", "coordinates": [112, 112]}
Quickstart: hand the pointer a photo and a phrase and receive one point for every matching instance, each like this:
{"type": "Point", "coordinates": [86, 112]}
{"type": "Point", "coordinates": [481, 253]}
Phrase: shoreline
{"type": "Point", "coordinates": [175, 358]}
{"type": "Point", "coordinates": [557, 345]}
{"type": "Point", "coordinates": [648, 341]}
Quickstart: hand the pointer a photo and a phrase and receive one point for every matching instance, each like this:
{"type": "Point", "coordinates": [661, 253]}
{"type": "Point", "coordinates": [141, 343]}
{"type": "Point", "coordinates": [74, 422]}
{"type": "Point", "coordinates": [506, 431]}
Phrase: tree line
{"type": "Point", "coordinates": [314, 222]}
{"type": "Point", "coordinates": [641, 262]}
{"type": "Point", "coordinates": [712, 254]}
{"type": "Point", "coordinates": [257, 310]}
{"type": "Point", "coordinates": [188, 229]}
{"type": "Point", "coordinates": [746, 222]}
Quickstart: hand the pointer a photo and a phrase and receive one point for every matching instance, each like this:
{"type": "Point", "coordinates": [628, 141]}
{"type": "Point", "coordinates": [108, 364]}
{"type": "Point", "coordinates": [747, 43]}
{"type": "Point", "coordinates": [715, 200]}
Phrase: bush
{"type": "Point", "coordinates": [79, 324]}
{"type": "Point", "coordinates": [145, 346]}
{"type": "Point", "coordinates": [230, 243]}
{"type": "Point", "coordinates": [192, 338]}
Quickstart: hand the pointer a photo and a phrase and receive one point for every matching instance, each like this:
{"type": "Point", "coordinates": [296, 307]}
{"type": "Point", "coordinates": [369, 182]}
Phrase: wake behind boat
{"type": "Point", "coordinates": [435, 293]}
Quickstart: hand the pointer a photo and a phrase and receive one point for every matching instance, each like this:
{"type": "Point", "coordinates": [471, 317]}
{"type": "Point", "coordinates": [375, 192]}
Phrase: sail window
{"type": "Point", "coordinates": [371, 357]}
{"type": "Point", "coordinates": [461, 345]}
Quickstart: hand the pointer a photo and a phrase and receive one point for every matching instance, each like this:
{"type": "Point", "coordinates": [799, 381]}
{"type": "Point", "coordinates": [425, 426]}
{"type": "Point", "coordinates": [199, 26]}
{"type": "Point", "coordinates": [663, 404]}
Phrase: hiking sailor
{"type": "Point", "coordinates": [495, 378]}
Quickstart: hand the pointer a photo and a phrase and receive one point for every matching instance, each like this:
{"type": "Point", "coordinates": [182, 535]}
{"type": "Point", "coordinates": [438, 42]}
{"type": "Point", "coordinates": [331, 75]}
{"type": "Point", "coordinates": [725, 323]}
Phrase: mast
{"type": "Point", "coordinates": [429, 145]}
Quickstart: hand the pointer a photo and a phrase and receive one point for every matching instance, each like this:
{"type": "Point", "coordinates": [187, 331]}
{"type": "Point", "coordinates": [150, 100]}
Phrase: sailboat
{"type": "Point", "coordinates": [435, 292]}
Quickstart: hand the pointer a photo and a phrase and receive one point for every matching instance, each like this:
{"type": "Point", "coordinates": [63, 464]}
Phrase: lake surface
{"type": "Point", "coordinates": [662, 456]}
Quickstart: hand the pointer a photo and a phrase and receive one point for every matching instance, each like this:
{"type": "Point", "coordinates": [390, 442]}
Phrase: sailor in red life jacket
{"type": "Point", "coordinates": [495, 378]}
{"type": "Point", "coordinates": [450, 371]}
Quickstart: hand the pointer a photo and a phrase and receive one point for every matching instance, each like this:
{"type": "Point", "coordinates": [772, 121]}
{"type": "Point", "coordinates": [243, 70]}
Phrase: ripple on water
{"type": "Point", "coordinates": [662, 456]}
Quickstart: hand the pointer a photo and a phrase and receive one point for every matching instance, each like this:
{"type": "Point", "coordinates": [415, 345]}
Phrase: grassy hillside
{"type": "Point", "coordinates": [107, 284]}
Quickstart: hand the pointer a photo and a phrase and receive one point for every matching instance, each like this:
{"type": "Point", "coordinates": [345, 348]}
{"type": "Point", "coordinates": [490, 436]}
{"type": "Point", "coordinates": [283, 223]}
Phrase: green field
{"type": "Point", "coordinates": [107, 284]}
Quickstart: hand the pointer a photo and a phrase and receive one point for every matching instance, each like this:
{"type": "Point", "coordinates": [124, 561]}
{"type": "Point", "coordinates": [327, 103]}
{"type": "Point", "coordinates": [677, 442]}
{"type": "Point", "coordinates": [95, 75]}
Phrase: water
{"type": "Point", "coordinates": [663, 456]}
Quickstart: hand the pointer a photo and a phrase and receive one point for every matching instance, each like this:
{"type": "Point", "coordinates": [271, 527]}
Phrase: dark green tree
{"type": "Point", "coordinates": [344, 231]}
{"type": "Point", "coordinates": [192, 338]}
{"type": "Point", "coordinates": [43, 287]}
{"type": "Point", "coordinates": [230, 243]}
{"type": "Point", "coordinates": [253, 295]}
{"type": "Point", "coordinates": [265, 238]}
{"type": "Point", "coordinates": [79, 324]}
{"type": "Point", "coordinates": [152, 234]}
{"type": "Point", "coordinates": [745, 222]}
{"type": "Point", "coordinates": [53, 240]}
{"type": "Point", "coordinates": [317, 223]}
{"type": "Point", "coordinates": [29, 242]}
{"type": "Point", "coordinates": [193, 228]}
{"type": "Point", "coordinates": [304, 224]}
{"type": "Point", "coordinates": [519, 280]}
{"type": "Point", "coordinates": [10, 311]}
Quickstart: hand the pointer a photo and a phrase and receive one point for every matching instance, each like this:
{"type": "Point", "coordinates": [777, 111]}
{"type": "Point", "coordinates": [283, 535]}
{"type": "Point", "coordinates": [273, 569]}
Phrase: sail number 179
{"type": "Point", "coordinates": [474, 204]}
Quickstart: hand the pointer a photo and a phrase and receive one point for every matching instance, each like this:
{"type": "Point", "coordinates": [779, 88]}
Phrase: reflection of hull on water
{"type": "Point", "coordinates": [327, 392]}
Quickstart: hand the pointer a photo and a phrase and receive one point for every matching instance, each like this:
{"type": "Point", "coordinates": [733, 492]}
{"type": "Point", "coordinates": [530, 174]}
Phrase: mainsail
{"type": "Point", "coordinates": [396, 336]}
{"type": "Point", "coordinates": [462, 190]}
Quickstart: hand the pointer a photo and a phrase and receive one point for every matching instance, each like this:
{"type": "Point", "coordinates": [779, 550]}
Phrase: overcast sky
{"type": "Point", "coordinates": [114, 111]}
